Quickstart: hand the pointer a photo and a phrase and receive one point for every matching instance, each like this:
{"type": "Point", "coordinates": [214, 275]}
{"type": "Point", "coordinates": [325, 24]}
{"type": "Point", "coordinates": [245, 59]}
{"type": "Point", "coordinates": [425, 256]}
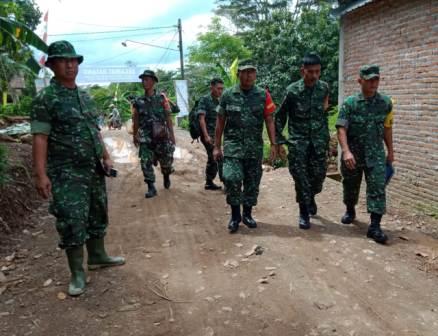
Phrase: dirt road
{"type": "Point", "coordinates": [185, 275]}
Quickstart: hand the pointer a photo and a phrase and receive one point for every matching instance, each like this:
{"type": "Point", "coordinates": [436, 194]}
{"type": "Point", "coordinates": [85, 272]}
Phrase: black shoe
{"type": "Point", "coordinates": [312, 208]}
{"type": "Point", "coordinates": [210, 185]}
{"type": "Point", "coordinates": [374, 230]}
{"type": "Point", "coordinates": [236, 218]}
{"type": "Point", "coordinates": [166, 181]}
{"type": "Point", "coordinates": [233, 225]}
{"type": "Point", "coordinates": [304, 221]}
{"type": "Point", "coordinates": [349, 216]}
{"type": "Point", "coordinates": [247, 218]}
{"type": "Point", "coordinates": [152, 192]}
{"type": "Point", "coordinates": [377, 235]}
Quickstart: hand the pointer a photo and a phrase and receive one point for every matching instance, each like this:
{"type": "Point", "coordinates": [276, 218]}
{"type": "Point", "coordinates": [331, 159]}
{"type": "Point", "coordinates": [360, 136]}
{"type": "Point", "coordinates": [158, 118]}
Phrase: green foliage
{"type": "Point", "coordinates": [22, 108]}
{"type": "Point", "coordinates": [3, 164]}
{"type": "Point", "coordinates": [282, 41]}
{"type": "Point", "coordinates": [245, 14]}
{"type": "Point", "coordinates": [184, 123]}
{"type": "Point", "coordinates": [18, 19]}
{"type": "Point", "coordinates": [333, 116]}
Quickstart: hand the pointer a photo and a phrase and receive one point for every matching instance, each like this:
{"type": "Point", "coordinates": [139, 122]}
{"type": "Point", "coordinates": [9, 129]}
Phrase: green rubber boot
{"type": "Point", "coordinates": [97, 257]}
{"type": "Point", "coordinates": [75, 257]}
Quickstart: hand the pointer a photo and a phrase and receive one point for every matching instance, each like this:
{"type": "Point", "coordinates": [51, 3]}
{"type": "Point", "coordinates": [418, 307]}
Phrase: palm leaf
{"type": "Point", "coordinates": [13, 32]}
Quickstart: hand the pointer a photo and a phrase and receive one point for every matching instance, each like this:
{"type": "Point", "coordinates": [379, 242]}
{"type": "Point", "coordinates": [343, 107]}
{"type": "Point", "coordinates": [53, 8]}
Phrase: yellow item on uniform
{"type": "Point", "coordinates": [389, 120]}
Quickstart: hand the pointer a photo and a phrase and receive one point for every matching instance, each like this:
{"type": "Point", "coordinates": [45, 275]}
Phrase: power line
{"type": "Point", "coordinates": [167, 51]}
{"type": "Point", "coordinates": [112, 31]}
{"type": "Point", "coordinates": [122, 36]}
{"type": "Point", "coordinates": [98, 25]}
{"type": "Point", "coordinates": [116, 56]}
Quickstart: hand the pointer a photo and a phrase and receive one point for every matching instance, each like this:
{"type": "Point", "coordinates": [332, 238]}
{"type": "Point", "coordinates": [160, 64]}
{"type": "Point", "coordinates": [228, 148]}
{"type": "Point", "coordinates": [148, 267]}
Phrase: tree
{"type": "Point", "coordinates": [246, 14]}
{"type": "Point", "coordinates": [217, 46]}
{"type": "Point", "coordinates": [15, 40]}
{"type": "Point", "coordinates": [278, 45]}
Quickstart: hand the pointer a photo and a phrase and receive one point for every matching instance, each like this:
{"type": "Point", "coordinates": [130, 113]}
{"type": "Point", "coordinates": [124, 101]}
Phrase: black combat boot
{"type": "Point", "coordinates": [247, 218]}
{"type": "Point", "coordinates": [152, 192]}
{"type": "Point", "coordinates": [166, 181]}
{"type": "Point", "coordinates": [374, 230]}
{"type": "Point", "coordinates": [210, 185]}
{"type": "Point", "coordinates": [233, 224]}
{"type": "Point", "coordinates": [349, 216]}
{"type": "Point", "coordinates": [312, 208]}
{"type": "Point", "coordinates": [304, 221]}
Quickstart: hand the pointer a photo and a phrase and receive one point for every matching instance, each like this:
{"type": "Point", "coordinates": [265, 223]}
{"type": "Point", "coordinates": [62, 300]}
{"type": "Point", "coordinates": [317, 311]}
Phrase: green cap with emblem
{"type": "Point", "coordinates": [369, 71]}
{"type": "Point", "coordinates": [62, 49]}
{"type": "Point", "coordinates": [149, 73]}
{"type": "Point", "coordinates": [246, 64]}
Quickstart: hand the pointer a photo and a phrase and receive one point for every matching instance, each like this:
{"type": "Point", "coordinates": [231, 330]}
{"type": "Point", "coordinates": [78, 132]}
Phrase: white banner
{"type": "Point", "coordinates": [182, 97]}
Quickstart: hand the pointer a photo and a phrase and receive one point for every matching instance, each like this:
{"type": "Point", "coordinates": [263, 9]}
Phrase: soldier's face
{"type": "Point", "coordinates": [311, 73]}
{"type": "Point", "coordinates": [369, 86]}
{"type": "Point", "coordinates": [148, 83]}
{"type": "Point", "coordinates": [65, 69]}
{"type": "Point", "coordinates": [216, 90]}
{"type": "Point", "coordinates": [247, 78]}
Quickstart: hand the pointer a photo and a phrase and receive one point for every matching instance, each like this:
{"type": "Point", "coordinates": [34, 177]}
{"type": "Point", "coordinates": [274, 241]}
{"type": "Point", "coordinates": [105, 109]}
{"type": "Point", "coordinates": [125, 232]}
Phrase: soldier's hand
{"type": "Point", "coordinates": [108, 164]}
{"type": "Point", "coordinates": [274, 152]}
{"type": "Point", "coordinates": [349, 160]}
{"type": "Point", "coordinates": [390, 157]}
{"type": "Point", "coordinates": [43, 186]}
{"type": "Point", "coordinates": [207, 140]}
{"type": "Point", "coordinates": [217, 154]}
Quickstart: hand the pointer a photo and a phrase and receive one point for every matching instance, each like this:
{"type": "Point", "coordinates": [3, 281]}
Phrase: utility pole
{"type": "Point", "coordinates": [180, 46]}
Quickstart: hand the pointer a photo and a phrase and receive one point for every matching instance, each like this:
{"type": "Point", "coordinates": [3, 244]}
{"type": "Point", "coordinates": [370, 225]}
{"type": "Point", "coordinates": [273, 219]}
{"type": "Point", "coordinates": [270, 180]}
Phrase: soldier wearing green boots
{"type": "Point", "coordinates": [70, 160]}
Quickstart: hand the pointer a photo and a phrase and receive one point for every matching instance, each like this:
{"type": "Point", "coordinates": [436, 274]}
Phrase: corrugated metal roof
{"type": "Point", "coordinates": [346, 6]}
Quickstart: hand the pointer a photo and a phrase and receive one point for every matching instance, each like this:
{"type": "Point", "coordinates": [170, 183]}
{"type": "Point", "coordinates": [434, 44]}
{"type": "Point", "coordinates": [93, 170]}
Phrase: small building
{"type": "Point", "coordinates": [402, 37]}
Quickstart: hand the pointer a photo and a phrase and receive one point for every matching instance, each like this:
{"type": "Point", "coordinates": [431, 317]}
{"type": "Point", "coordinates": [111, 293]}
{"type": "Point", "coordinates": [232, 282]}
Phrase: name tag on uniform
{"type": "Point", "coordinates": [233, 108]}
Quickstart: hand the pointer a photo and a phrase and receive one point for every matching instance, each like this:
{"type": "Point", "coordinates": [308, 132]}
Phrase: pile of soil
{"type": "Point", "coordinates": [18, 197]}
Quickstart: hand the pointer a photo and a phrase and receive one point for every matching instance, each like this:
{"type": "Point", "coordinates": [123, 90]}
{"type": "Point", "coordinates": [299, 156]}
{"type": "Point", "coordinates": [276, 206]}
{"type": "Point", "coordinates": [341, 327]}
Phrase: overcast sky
{"type": "Point", "coordinates": [104, 49]}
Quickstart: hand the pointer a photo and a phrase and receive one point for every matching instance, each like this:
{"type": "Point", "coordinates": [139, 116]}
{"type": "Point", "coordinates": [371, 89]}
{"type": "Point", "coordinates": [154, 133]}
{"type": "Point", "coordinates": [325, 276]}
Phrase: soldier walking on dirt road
{"type": "Point", "coordinates": [364, 124]}
{"type": "Point", "coordinates": [70, 163]}
{"type": "Point", "coordinates": [207, 122]}
{"type": "Point", "coordinates": [241, 113]}
{"type": "Point", "coordinates": [153, 133]}
{"type": "Point", "coordinates": [304, 107]}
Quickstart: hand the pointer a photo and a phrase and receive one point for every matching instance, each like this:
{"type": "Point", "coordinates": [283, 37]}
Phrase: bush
{"type": "Point", "coordinates": [3, 164]}
{"type": "Point", "coordinates": [332, 117]}
{"type": "Point", "coordinates": [184, 124]}
{"type": "Point", "coordinates": [22, 108]}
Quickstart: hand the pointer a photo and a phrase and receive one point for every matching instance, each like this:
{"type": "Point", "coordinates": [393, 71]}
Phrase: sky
{"type": "Point", "coordinates": [149, 21]}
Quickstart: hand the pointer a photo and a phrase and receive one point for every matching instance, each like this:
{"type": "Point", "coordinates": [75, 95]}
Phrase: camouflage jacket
{"type": "Point", "coordinates": [150, 109]}
{"type": "Point", "coordinates": [244, 113]}
{"type": "Point", "coordinates": [69, 118]}
{"type": "Point", "coordinates": [207, 105]}
{"type": "Point", "coordinates": [364, 120]}
{"type": "Point", "coordinates": [303, 109]}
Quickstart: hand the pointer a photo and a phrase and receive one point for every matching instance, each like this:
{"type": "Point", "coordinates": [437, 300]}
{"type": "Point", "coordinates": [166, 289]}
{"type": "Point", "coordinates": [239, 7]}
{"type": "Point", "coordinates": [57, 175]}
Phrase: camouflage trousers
{"type": "Point", "coordinates": [79, 203]}
{"type": "Point", "coordinates": [152, 154]}
{"type": "Point", "coordinates": [308, 168]}
{"type": "Point", "coordinates": [375, 180]}
{"type": "Point", "coordinates": [238, 172]}
{"type": "Point", "coordinates": [213, 167]}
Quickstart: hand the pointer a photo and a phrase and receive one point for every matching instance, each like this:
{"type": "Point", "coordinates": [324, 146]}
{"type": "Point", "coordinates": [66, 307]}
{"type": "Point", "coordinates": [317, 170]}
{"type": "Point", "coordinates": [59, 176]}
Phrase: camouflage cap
{"type": "Point", "coordinates": [246, 64]}
{"type": "Point", "coordinates": [369, 71]}
{"type": "Point", "coordinates": [149, 73]}
{"type": "Point", "coordinates": [62, 49]}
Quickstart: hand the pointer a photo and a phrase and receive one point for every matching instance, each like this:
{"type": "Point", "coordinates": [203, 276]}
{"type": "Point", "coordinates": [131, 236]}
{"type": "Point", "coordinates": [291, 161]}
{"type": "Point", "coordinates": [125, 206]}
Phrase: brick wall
{"type": "Point", "coordinates": [402, 37]}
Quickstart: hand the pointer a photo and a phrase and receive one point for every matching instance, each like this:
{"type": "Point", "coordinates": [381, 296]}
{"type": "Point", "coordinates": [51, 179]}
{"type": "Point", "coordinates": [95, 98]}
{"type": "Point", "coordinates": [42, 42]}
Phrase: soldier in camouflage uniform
{"type": "Point", "coordinates": [364, 123]}
{"type": "Point", "coordinates": [241, 113]}
{"type": "Point", "coordinates": [304, 108]}
{"type": "Point", "coordinates": [207, 121]}
{"type": "Point", "coordinates": [149, 111]}
{"type": "Point", "coordinates": [70, 160]}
